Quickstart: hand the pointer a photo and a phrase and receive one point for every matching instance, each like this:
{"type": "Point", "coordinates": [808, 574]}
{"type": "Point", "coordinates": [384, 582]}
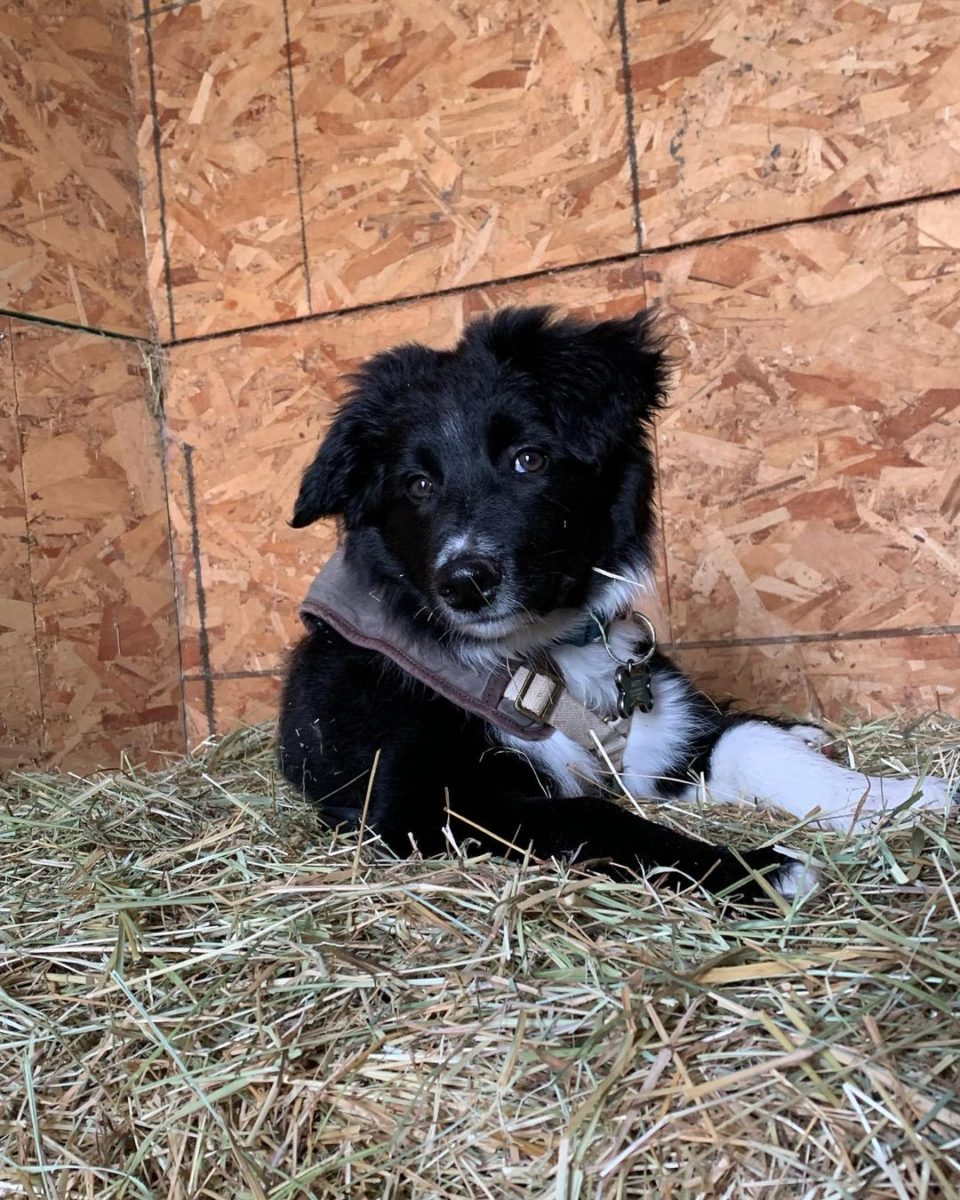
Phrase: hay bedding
{"type": "Point", "coordinates": [203, 994]}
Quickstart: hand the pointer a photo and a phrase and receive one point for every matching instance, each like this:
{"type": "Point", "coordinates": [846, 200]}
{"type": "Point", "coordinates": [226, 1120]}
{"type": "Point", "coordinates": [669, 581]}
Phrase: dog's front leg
{"type": "Point", "coordinates": [755, 760]}
{"type": "Point", "coordinates": [590, 829]}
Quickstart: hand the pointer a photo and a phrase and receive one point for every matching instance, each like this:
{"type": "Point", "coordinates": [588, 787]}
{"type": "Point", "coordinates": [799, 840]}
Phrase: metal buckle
{"type": "Point", "coordinates": [554, 699]}
{"type": "Point", "coordinates": [644, 622]}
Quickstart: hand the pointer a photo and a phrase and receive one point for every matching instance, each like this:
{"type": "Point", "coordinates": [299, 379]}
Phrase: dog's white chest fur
{"type": "Point", "coordinates": [655, 741]}
{"type": "Point", "coordinates": [751, 762]}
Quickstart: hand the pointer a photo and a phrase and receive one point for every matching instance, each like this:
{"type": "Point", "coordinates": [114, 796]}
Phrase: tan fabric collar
{"type": "Point", "coordinates": [337, 597]}
{"type": "Point", "coordinates": [524, 701]}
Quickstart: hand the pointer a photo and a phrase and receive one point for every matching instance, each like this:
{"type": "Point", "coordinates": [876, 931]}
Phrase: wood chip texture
{"type": "Point", "coordinates": [93, 516]}
{"type": "Point", "coordinates": [817, 422]}
{"type": "Point", "coordinates": [437, 145]}
{"type": "Point", "coordinates": [749, 113]}
{"type": "Point", "coordinates": [71, 239]}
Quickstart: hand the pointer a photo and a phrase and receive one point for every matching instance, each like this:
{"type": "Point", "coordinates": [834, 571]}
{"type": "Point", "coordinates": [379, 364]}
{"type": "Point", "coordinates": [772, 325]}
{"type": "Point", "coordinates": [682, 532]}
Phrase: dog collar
{"type": "Point", "coordinates": [585, 634]}
{"type": "Point", "coordinates": [522, 699]}
{"type": "Point", "coordinates": [339, 598]}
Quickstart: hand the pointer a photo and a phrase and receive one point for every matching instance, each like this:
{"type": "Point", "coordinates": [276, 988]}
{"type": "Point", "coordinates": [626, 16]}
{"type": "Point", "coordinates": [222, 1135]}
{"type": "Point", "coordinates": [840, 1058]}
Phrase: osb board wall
{"type": "Point", "coordinates": [71, 240]}
{"type": "Point", "coordinates": [839, 677]}
{"type": "Point", "coordinates": [88, 634]}
{"type": "Point", "coordinates": [386, 149]}
{"type": "Point", "coordinates": [816, 421]}
{"type": "Point", "coordinates": [316, 157]}
{"type": "Point", "coordinates": [88, 611]}
{"type": "Point", "coordinates": [749, 113]}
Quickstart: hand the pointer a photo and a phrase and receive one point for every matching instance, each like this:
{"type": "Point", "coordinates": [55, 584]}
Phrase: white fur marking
{"type": "Point", "coordinates": [572, 767]}
{"type": "Point", "coordinates": [656, 739]}
{"type": "Point", "coordinates": [759, 762]}
{"type": "Point", "coordinates": [659, 738]}
{"type": "Point", "coordinates": [453, 547]}
{"type": "Point", "coordinates": [796, 879]}
{"type": "Point", "coordinates": [452, 429]}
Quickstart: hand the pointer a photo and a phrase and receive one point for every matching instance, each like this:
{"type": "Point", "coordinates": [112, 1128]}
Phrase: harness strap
{"type": "Point", "coordinates": [525, 701]}
{"type": "Point", "coordinates": [337, 597]}
{"type": "Point", "coordinates": [544, 697]}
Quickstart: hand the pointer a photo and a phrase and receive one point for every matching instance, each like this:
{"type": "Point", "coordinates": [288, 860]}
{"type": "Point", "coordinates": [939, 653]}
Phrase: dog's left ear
{"type": "Point", "coordinates": [599, 381]}
{"type": "Point", "coordinates": [346, 477]}
{"type": "Point", "coordinates": [336, 484]}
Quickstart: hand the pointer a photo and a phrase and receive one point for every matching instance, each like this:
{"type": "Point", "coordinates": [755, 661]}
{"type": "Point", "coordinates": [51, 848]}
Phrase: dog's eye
{"type": "Point", "coordinates": [528, 461]}
{"type": "Point", "coordinates": [420, 487]}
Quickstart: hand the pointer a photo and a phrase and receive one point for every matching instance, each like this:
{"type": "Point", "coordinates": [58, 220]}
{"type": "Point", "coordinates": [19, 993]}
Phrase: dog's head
{"type": "Point", "coordinates": [484, 484]}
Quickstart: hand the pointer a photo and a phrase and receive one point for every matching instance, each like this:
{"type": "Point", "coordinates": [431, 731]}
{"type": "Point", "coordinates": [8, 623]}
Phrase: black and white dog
{"type": "Point", "coordinates": [497, 502]}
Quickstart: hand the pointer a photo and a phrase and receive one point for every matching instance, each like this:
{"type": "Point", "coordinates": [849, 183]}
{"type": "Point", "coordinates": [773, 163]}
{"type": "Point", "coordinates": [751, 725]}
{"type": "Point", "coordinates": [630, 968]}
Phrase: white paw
{"type": "Point", "coordinates": [933, 793]}
{"type": "Point", "coordinates": [796, 879]}
{"type": "Point", "coordinates": [811, 735]}
{"type": "Point", "coordinates": [863, 798]}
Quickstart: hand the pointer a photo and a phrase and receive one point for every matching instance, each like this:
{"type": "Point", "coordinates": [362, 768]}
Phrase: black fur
{"type": "Point", "coordinates": [582, 395]}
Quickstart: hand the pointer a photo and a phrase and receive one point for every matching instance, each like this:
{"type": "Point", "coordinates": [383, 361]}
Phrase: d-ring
{"type": "Point", "coordinates": [645, 622]}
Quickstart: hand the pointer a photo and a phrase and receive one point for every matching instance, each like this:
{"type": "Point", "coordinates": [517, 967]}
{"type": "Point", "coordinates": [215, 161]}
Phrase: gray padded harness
{"type": "Point", "coordinates": [525, 701]}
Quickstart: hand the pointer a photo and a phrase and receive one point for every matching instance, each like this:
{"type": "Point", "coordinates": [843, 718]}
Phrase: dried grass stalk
{"type": "Point", "coordinates": [204, 994]}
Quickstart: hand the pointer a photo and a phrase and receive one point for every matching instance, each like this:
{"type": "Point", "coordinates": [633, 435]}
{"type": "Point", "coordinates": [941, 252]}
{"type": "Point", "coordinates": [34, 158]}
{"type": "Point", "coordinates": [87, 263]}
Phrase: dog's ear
{"type": "Point", "coordinates": [597, 380]}
{"type": "Point", "coordinates": [346, 477]}
{"type": "Point", "coordinates": [336, 484]}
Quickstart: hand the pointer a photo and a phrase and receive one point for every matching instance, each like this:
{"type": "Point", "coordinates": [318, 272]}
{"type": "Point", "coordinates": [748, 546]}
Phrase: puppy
{"type": "Point", "coordinates": [472, 660]}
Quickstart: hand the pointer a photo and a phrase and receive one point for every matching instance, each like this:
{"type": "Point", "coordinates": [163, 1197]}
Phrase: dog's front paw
{"type": "Point", "coordinates": [886, 796]}
{"type": "Point", "coordinates": [796, 880]}
{"type": "Point", "coordinates": [789, 877]}
{"type": "Point", "coordinates": [814, 737]}
{"type": "Point", "coordinates": [936, 793]}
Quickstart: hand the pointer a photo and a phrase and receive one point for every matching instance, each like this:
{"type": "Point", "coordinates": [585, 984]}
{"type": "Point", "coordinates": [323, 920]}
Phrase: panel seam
{"type": "Point", "coordinates": [158, 166]}
{"type": "Point", "coordinates": [629, 257]}
{"type": "Point", "coordinates": [202, 635]}
{"type": "Point", "coordinates": [296, 157]}
{"type": "Point", "coordinates": [803, 639]}
{"type": "Point", "coordinates": [18, 429]}
{"type": "Point", "coordinates": [629, 113]}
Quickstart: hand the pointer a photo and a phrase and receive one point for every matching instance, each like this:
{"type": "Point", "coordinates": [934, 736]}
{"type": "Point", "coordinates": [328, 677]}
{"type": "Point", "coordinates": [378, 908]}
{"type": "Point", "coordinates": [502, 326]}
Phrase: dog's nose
{"type": "Point", "coordinates": [468, 584]}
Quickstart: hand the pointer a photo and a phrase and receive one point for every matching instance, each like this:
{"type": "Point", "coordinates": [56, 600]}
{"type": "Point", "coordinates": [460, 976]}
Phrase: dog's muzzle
{"type": "Point", "coordinates": [469, 583]}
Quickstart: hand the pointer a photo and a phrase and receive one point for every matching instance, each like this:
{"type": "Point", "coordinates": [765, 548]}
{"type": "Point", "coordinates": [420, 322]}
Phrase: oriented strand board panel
{"type": "Point", "coordinates": [252, 409]}
{"type": "Point", "coordinates": [235, 703]}
{"type": "Point", "coordinates": [418, 175]}
{"type": "Point", "coordinates": [811, 461]}
{"type": "Point", "coordinates": [231, 206]}
{"type": "Point", "coordinates": [21, 710]}
{"type": "Point", "coordinates": [749, 113]}
{"type": "Point", "coordinates": [867, 677]}
{"type": "Point", "coordinates": [71, 242]}
{"type": "Point", "coordinates": [459, 141]}
{"type": "Point", "coordinates": [102, 577]}
{"type": "Point", "coordinates": [153, 211]}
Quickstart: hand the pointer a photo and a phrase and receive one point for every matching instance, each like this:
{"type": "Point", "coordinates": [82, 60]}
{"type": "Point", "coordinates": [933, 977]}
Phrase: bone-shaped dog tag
{"type": "Point", "coordinates": [634, 688]}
